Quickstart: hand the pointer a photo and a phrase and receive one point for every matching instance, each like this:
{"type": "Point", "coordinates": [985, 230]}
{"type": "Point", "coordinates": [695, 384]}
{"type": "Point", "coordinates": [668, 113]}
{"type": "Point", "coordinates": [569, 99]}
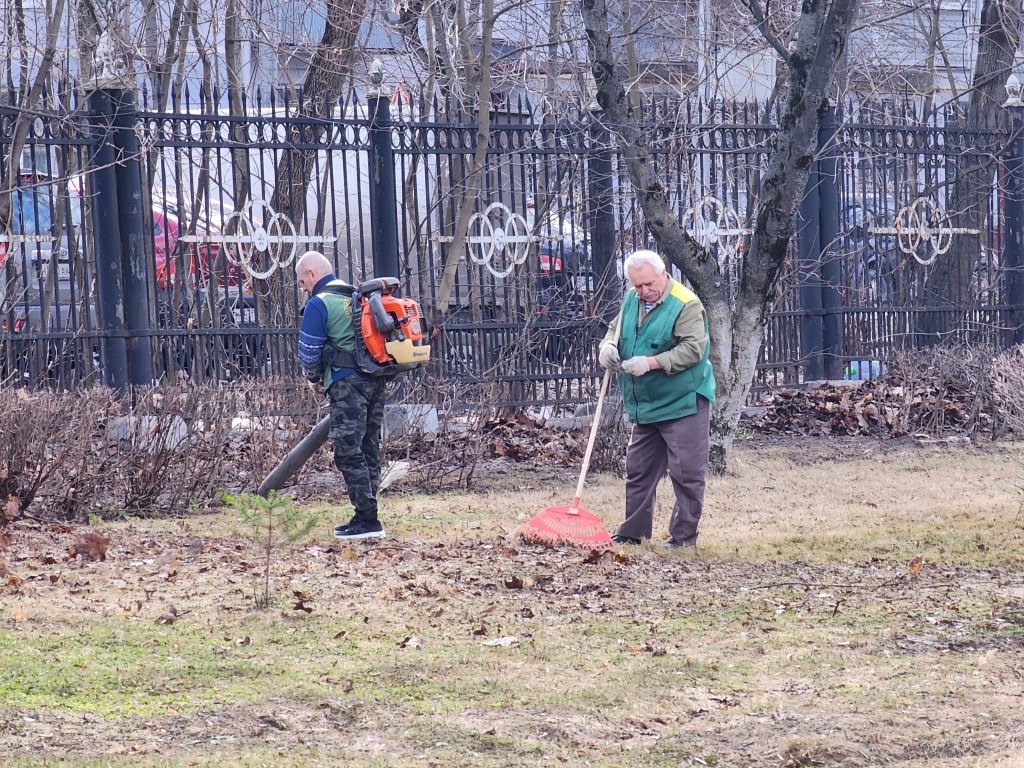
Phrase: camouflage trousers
{"type": "Point", "coordinates": [357, 414]}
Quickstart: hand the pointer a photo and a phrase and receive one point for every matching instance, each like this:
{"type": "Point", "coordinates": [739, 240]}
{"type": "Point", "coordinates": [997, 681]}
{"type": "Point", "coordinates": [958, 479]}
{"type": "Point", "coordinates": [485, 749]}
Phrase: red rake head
{"type": "Point", "coordinates": [566, 525]}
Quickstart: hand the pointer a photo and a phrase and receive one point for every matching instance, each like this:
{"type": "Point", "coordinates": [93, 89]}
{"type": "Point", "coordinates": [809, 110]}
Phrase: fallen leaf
{"type": "Point", "coordinates": [92, 547]}
{"type": "Point", "coordinates": [594, 556]}
{"type": "Point", "coordinates": [17, 614]}
{"type": "Point", "coordinates": [12, 508]}
{"type": "Point", "coordinates": [301, 600]}
{"type": "Point", "coordinates": [914, 566]}
{"type": "Point", "coordinates": [514, 583]}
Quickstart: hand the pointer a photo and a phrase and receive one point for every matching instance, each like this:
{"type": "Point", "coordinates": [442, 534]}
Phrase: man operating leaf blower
{"type": "Point", "coordinates": [352, 340]}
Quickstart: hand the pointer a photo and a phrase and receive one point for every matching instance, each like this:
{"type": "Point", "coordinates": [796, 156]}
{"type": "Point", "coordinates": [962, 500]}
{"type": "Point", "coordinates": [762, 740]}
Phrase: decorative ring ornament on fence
{"type": "Point", "coordinates": [498, 235]}
{"type": "Point", "coordinates": [721, 228]}
{"type": "Point", "coordinates": [923, 221]}
{"type": "Point", "coordinates": [258, 239]}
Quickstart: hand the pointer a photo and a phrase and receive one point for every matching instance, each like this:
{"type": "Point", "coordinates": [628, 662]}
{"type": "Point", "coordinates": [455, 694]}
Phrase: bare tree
{"type": "Point", "coordinates": [736, 330]}
{"type": "Point", "coordinates": [974, 175]}
{"type": "Point", "coordinates": [27, 75]}
{"type": "Point", "coordinates": [329, 67]}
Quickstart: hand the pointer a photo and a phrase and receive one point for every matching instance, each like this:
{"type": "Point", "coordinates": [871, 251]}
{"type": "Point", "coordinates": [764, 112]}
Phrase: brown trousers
{"type": "Point", "coordinates": [681, 446]}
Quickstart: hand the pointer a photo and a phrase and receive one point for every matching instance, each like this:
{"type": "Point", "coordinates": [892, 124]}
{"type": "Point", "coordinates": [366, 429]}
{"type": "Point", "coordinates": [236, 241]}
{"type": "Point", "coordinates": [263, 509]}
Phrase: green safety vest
{"type": "Point", "coordinates": [340, 330]}
{"type": "Point", "coordinates": [656, 396]}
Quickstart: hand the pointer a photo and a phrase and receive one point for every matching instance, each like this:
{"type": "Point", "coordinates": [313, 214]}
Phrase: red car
{"type": "Point", "coordinates": [200, 254]}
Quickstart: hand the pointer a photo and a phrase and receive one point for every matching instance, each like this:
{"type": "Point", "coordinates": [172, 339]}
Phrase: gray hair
{"type": "Point", "coordinates": [637, 259]}
{"type": "Point", "coordinates": [316, 261]}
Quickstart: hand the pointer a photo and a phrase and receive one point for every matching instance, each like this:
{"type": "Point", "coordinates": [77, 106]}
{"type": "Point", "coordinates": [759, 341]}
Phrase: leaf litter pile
{"type": "Point", "coordinates": [139, 643]}
{"type": "Point", "coordinates": [880, 407]}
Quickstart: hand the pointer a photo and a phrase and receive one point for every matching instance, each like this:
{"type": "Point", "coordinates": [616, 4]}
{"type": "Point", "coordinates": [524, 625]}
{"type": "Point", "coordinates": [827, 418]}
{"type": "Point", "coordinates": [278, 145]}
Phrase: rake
{"type": "Point", "coordinates": [573, 524]}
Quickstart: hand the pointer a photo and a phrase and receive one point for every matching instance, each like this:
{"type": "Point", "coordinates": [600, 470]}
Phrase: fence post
{"type": "Point", "coordinates": [102, 177]}
{"type": "Point", "coordinates": [1013, 256]}
{"type": "Point", "coordinates": [809, 280]}
{"type": "Point", "coordinates": [828, 226]}
{"type": "Point", "coordinates": [601, 216]}
{"type": "Point", "coordinates": [133, 233]}
{"type": "Point", "coordinates": [383, 196]}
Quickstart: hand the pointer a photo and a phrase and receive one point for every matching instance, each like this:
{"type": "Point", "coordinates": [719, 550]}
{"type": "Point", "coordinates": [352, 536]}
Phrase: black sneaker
{"type": "Point", "coordinates": [624, 540]}
{"type": "Point", "coordinates": [339, 528]}
{"type": "Point", "coordinates": [360, 530]}
{"type": "Point", "coordinates": [684, 544]}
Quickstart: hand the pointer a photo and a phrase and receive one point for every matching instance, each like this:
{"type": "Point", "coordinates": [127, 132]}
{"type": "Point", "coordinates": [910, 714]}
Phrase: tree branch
{"type": "Point", "coordinates": [766, 32]}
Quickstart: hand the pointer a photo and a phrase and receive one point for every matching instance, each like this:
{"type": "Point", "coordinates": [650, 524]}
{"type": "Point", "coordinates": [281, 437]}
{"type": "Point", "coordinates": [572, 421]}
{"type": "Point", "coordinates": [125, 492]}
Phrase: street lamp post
{"type": "Point", "coordinates": [105, 90]}
{"type": "Point", "coordinates": [383, 205]}
{"type": "Point", "coordinates": [1013, 252]}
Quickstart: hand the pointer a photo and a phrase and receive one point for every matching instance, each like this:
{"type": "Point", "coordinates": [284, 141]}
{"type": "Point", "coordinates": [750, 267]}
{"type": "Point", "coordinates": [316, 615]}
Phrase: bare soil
{"type": "Point", "coordinates": [853, 603]}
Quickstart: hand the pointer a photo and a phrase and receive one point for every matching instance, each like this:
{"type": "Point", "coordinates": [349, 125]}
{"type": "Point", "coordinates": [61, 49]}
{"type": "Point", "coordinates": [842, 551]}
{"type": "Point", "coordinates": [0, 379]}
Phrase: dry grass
{"type": "Point", "coordinates": [852, 604]}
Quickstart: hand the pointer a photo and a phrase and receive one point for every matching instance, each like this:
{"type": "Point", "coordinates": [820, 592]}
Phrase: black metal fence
{"type": "Point", "coordinates": [138, 245]}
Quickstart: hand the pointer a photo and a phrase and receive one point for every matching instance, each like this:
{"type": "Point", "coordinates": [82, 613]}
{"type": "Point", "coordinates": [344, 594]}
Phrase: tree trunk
{"type": "Point", "coordinates": [949, 281]}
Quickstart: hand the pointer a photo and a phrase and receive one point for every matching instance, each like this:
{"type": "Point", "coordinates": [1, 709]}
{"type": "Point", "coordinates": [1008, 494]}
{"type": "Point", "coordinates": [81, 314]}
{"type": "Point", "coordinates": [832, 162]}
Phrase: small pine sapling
{"type": "Point", "coordinates": [275, 521]}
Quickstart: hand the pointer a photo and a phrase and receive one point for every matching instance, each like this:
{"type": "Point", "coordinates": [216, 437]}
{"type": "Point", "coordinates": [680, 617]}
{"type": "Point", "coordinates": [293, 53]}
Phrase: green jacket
{"type": "Point", "coordinates": [658, 396]}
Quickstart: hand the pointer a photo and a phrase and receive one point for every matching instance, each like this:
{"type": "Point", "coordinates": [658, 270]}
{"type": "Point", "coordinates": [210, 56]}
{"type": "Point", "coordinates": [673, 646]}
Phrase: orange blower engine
{"type": "Point", "coordinates": [391, 336]}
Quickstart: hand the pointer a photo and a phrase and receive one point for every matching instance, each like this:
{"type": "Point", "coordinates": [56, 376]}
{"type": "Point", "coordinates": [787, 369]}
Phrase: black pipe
{"type": "Point", "coordinates": [107, 240]}
{"type": "Point", "coordinates": [809, 280]}
{"type": "Point", "coordinates": [383, 197]}
{"type": "Point", "coordinates": [1013, 254]}
{"type": "Point", "coordinates": [133, 233]}
{"type": "Point", "coordinates": [828, 237]}
{"type": "Point", "coordinates": [601, 219]}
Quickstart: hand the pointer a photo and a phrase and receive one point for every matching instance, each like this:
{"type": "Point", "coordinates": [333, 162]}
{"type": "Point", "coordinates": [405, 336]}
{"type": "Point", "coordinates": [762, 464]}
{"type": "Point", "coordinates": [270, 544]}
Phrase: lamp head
{"type": "Point", "coordinates": [1013, 92]}
{"type": "Point", "coordinates": [376, 72]}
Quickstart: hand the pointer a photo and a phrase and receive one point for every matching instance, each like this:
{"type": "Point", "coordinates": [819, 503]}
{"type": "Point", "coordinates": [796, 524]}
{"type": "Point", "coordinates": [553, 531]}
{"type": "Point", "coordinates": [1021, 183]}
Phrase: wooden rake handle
{"type": "Point", "coordinates": [595, 425]}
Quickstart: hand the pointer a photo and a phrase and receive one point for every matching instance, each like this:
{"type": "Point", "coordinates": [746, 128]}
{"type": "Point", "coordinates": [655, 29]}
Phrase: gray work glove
{"type": "Point", "coordinates": [636, 366]}
{"type": "Point", "coordinates": [608, 357]}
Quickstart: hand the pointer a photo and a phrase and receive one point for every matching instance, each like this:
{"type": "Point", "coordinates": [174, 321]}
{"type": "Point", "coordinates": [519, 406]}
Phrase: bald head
{"type": "Point", "coordinates": [311, 268]}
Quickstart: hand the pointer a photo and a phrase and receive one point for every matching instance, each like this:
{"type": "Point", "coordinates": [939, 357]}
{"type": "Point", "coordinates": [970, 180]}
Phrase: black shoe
{"type": "Point", "coordinates": [624, 540]}
{"type": "Point", "coordinates": [684, 544]}
{"type": "Point", "coordinates": [360, 529]}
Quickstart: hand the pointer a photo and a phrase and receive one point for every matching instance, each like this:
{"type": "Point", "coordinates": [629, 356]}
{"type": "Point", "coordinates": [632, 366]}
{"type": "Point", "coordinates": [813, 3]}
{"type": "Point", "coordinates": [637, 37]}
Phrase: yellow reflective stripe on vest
{"type": "Point", "coordinates": [683, 293]}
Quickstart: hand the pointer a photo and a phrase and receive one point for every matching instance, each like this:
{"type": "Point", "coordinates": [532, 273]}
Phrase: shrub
{"type": "Point", "coordinates": [1007, 377]}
